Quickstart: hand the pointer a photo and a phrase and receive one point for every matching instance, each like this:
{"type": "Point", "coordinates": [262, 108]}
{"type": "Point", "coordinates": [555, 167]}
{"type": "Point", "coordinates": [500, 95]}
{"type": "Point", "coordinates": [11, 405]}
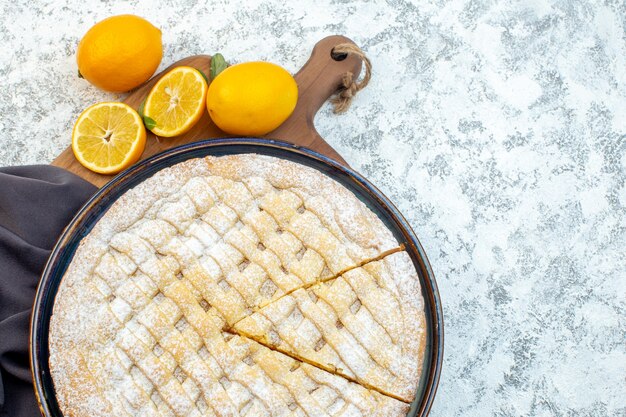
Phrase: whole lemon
{"type": "Point", "coordinates": [119, 53]}
{"type": "Point", "coordinates": [251, 99]}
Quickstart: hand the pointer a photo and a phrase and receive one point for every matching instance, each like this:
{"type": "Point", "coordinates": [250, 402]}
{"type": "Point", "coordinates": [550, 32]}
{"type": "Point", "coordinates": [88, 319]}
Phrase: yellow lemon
{"type": "Point", "coordinates": [251, 99]}
{"type": "Point", "coordinates": [176, 102]}
{"type": "Point", "coordinates": [108, 137]}
{"type": "Point", "coordinates": [119, 53]}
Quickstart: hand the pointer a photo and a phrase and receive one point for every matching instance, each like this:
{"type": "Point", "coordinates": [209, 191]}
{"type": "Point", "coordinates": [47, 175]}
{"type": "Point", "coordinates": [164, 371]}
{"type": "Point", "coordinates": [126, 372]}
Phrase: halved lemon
{"type": "Point", "coordinates": [108, 137]}
{"type": "Point", "coordinates": [176, 102]}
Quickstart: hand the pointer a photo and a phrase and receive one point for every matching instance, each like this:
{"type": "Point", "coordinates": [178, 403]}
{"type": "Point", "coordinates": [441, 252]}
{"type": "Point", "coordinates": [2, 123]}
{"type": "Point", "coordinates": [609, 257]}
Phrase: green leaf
{"type": "Point", "coordinates": [203, 76]}
{"type": "Point", "coordinates": [149, 122]}
{"type": "Point", "coordinates": [141, 106]}
{"type": "Point", "coordinates": [218, 64]}
{"type": "Point", "coordinates": [80, 75]}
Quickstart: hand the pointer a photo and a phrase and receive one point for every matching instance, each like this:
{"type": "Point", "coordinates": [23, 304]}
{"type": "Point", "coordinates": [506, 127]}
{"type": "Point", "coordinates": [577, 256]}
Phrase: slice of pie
{"type": "Point", "coordinates": [365, 325]}
{"type": "Point", "coordinates": [240, 285]}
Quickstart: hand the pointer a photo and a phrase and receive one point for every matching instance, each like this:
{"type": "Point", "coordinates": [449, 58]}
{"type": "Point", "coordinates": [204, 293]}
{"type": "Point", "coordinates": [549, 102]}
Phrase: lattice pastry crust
{"type": "Point", "coordinates": [365, 325]}
{"type": "Point", "coordinates": [179, 301]}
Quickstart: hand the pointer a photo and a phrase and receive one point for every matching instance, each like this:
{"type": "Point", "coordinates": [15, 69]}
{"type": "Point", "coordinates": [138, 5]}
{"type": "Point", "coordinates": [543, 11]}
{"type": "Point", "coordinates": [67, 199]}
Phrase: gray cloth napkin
{"type": "Point", "coordinates": [36, 203]}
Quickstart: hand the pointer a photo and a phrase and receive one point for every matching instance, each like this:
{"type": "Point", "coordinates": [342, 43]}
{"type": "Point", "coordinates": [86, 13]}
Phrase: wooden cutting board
{"type": "Point", "coordinates": [319, 78]}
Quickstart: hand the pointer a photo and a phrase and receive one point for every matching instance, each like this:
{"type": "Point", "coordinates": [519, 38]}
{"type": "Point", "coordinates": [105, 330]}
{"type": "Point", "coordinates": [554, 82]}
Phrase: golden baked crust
{"type": "Point", "coordinates": [152, 313]}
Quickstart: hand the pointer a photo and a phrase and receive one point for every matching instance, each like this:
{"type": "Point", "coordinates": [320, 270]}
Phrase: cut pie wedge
{"type": "Point", "coordinates": [364, 325]}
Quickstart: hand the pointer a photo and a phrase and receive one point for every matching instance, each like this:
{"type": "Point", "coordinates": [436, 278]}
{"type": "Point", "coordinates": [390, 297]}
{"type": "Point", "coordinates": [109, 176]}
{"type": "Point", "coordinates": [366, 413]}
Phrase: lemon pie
{"type": "Point", "coordinates": [240, 285]}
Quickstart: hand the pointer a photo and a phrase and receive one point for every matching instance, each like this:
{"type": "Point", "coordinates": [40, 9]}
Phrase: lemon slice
{"type": "Point", "coordinates": [108, 137]}
{"type": "Point", "coordinates": [176, 102]}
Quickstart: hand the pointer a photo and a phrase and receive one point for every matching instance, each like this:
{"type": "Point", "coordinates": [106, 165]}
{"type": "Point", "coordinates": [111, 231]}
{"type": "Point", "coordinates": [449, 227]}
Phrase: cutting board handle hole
{"type": "Point", "coordinates": [338, 56]}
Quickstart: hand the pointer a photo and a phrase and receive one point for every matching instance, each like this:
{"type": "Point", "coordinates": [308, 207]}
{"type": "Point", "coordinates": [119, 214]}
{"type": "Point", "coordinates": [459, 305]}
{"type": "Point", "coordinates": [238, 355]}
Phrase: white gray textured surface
{"type": "Point", "coordinates": [498, 128]}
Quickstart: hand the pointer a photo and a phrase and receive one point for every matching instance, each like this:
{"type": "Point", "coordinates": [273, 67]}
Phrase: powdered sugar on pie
{"type": "Point", "coordinates": [241, 285]}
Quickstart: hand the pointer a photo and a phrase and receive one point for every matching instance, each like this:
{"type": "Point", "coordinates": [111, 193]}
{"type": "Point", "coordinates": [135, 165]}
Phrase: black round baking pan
{"type": "Point", "coordinates": [106, 196]}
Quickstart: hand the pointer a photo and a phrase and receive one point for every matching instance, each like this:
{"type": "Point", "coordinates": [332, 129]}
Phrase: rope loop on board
{"type": "Point", "coordinates": [349, 86]}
